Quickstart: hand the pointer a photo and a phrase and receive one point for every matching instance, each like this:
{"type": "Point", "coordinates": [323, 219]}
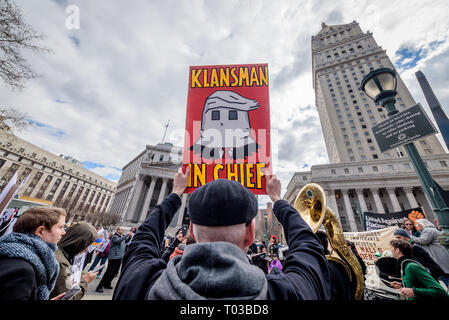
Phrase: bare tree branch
{"type": "Point", "coordinates": [16, 35]}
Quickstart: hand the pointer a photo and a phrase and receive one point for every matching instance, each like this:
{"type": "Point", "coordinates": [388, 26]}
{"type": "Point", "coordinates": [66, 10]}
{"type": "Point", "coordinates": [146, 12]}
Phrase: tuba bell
{"type": "Point", "coordinates": [311, 205]}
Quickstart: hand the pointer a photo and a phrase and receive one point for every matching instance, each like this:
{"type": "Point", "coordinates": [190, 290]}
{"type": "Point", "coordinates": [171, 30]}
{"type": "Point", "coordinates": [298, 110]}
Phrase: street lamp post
{"type": "Point", "coordinates": [380, 85]}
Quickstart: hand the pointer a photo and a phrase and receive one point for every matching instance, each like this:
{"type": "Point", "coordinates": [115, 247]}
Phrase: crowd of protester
{"type": "Point", "coordinates": [210, 258]}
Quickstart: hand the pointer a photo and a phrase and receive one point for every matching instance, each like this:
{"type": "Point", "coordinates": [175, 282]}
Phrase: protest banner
{"type": "Point", "coordinates": [376, 221]}
{"type": "Point", "coordinates": [8, 192]}
{"type": "Point", "coordinates": [368, 243]}
{"type": "Point", "coordinates": [228, 125]}
{"type": "Point", "coordinates": [8, 216]}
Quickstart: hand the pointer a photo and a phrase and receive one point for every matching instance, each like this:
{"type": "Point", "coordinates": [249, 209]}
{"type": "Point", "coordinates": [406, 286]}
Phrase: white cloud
{"type": "Point", "coordinates": [126, 74]}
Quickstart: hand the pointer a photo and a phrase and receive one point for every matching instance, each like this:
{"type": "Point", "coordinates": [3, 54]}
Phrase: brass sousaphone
{"type": "Point", "coordinates": [311, 205]}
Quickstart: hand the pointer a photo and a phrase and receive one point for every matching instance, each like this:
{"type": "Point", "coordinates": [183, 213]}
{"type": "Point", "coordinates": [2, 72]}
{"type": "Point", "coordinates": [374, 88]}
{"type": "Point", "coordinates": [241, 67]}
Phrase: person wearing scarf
{"type": "Point", "coordinates": [78, 237]}
{"type": "Point", "coordinates": [28, 265]}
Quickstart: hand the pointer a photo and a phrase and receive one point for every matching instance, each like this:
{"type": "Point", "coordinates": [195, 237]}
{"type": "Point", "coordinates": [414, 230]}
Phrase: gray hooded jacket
{"type": "Point", "coordinates": [217, 270]}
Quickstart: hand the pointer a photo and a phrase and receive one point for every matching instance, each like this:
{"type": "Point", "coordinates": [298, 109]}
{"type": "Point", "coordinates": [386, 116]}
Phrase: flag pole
{"type": "Point", "coordinates": [166, 126]}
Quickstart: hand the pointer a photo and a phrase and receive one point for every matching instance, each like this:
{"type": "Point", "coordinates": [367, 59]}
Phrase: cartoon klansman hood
{"type": "Point", "coordinates": [225, 124]}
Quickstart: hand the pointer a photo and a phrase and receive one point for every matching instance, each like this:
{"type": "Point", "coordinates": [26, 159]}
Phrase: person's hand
{"type": "Point", "coordinates": [88, 277]}
{"type": "Point", "coordinates": [407, 292]}
{"type": "Point", "coordinates": [58, 297]}
{"type": "Point", "coordinates": [180, 181]}
{"type": "Point", "coordinates": [396, 285]}
{"type": "Point", "coordinates": [130, 234]}
{"type": "Point", "coordinates": [179, 236]}
{"type": "Point", "coordinates": [273, 187]}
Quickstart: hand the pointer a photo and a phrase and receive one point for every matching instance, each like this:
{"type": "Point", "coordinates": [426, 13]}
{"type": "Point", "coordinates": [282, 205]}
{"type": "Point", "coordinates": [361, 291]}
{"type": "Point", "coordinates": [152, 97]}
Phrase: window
{"type": "Point", "coordinates": [375, 156]}
{"type": "Point", "coordinates": [375, 169]}
{"type": "Point", "coordinates": [304, 178]}
{"type": "Point", "coordinates": [390, 167]}
{"type": "Point", "coordinates": [363, 157]}
{"type": "Point", "coordinates": [427, 151]}
{"type": "Point", "coordinates": [333, 171]}
{"type": "Point", "coordinates": [443, 163]}
{"type": "Point", "coordinates": [233, 115]}
{"type": "Point", "coordinates": [215, 115]}
{"type": "Point", "coordinates": [387, 155]}
{"type": "Point", "coordinates": [422, 142]}
{"type": "Point", "coordinates": [360, 169]}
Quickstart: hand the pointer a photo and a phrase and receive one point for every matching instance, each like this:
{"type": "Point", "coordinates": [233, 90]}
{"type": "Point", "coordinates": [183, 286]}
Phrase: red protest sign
{"type": "Point", "coordinates": [228, 125]}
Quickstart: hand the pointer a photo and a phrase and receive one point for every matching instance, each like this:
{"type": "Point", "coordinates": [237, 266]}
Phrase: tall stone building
{"type": "Point", "coordinates": [359, 177]}
{"type": "Point", "coordinates": [53, 179]}
{"type": "Point", "coordinates": [144, 183]}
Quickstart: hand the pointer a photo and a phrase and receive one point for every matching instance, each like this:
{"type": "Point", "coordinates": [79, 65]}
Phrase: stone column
{"type": "Point", "coordinates": [332, 202]}
{"type": "Point", "coordinates": [86, 201]}
{"type": "Point", "coordinates": [393, 199]}
{"type": "Point", "coordinates": [163, 190]}
{"type": "Point", "coordinates": [146, 203]}
{"type": "Point", "coordinates": [59, 188]}
{"type": "Point", "coordinates": [73, 197]}
{"type": "Point", "coordinates": [349, 211]}
{"type": "Point", "coordinates": [362, 202]}
{"type": "Point", "coordinates": [50, 186]}
{"type": "Point", "coordinates": [28, 182]}
{"type": "Point", "coordinates": [39, 185]}
{"type": "Point", "coordinates": [410, 197]}
{"type": "Point", "coordinates": [377, 201]}
{"type": "Point", "coordinates": [8, 163]}
{"type": "Point", "coordinates": [138, 188]}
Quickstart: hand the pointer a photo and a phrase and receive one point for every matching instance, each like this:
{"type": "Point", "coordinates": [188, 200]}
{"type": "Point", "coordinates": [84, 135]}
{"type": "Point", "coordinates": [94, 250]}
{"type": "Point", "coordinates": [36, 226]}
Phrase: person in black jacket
{"type": "Point", "coordinates": [341, 286]}
{"type": "Point", "coordinates": [222, 216]}
{"type": "Point", "coordinates": [420, 254]}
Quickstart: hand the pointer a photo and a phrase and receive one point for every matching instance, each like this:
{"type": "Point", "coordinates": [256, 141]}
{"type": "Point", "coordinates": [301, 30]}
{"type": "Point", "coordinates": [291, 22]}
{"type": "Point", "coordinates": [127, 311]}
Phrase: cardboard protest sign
{"type": "Point", "coordinates": [369, 242]}
{"type": "Point", "coordinates": [228, 125]}
{"type": "Point", "coordinates": [77, 270]}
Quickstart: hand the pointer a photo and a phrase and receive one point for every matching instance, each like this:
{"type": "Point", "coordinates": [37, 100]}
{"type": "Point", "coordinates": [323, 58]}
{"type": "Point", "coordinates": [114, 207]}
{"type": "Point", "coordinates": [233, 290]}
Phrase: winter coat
{"type": "Point", "coordinates": [77, 238]}
{"type": "Point", "coordinates": [179, 250]}
{"type": "Point", "coordinates": [275, 263]}
{"type": "Point", "coordinates": [429, 242]}
{"type": "Point", "coordinates": [28, 267]}
{"type": "Point", "coordinates": [118, 246]}
{"type": "Point", "coordinates": [426, 260]}
{"type": "Point", "coordinates": [105, 252]}
{"type": "Point", "coordinates": [305, 273]}
{"type": "Point", "coordinates": [417, 277]}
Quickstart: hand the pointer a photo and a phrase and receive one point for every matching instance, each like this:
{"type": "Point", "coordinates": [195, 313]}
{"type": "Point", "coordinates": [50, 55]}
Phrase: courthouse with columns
{"type": "Point", "coordinates": [144, 183]}
{"type": "Point", "coordinates": [359, 177]}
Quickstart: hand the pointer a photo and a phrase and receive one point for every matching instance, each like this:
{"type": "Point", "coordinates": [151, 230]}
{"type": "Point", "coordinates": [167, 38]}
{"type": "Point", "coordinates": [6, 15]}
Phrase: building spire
{"type": "Point", "coordinates": [435, 106]}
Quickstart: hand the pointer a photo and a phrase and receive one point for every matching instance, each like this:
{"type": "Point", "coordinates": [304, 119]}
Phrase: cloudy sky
{"type": "Point", "coordinates": [111, 85]}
